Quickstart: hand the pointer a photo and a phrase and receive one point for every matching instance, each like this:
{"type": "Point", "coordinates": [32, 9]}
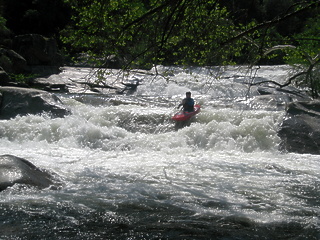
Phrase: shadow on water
{"type": "Point", "coordinates": [146, 219]}
{"type": "Point", "coordinates": [182, 124]}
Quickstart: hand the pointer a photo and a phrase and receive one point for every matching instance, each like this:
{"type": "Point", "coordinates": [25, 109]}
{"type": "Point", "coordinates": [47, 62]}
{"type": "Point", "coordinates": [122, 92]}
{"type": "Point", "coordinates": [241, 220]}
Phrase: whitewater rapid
{"type": "Point", "coordinates": [128, 173]}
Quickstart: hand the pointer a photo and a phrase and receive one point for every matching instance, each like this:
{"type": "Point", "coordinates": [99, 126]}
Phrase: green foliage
{"type": "Point", "coordinates": [153, 32]}
{"type": "Point", "coordinates": [22, 78]}
{"type": "Point", "coordinates": [197, 32]}
{"type": "Point", "coordinates": [185, 32]}
{"type": "Point", "coordinates": [305, 57]}
{"type": "Point", "coordinates": [4, 31]}
{"type": "Point", "coordinates": [307, 44]}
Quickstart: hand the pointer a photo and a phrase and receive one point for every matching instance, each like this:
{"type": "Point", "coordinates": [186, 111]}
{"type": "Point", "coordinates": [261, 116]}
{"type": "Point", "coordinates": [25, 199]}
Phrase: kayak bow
{"type": "Point", "coordinates": [183, 116]}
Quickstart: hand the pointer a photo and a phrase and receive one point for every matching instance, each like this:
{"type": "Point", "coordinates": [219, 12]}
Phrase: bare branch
{"type": "Point", "coordinates": [278, 47]}
{"type": "Point", "coordinates": [279, 84]}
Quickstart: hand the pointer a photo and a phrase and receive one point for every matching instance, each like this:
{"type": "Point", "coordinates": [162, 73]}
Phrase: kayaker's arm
{"type": "Point", "coordinates": [182, 103]}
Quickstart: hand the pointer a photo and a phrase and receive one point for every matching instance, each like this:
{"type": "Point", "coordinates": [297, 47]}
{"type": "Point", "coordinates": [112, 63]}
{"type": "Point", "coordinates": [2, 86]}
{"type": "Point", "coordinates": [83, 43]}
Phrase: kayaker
{"type": "Point", "coordinates": [187, 103]}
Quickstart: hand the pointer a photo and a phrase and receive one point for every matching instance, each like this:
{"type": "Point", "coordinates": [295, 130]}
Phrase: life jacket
{"type": "Point", "coordinates": [188, 105]}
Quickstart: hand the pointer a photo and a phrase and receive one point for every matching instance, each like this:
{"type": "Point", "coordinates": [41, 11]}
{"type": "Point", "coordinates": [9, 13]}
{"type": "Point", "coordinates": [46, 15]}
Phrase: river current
{"type": "Point", "coordinates": [127, 172]}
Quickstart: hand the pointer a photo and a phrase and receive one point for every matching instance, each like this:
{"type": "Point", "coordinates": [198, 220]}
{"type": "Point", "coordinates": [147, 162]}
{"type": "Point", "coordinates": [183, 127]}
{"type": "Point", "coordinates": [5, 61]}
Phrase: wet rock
{"type": "Point", "coordinates": [290, 94]}
{"type": "Point", "coordinates": [277, 99]}
{"type": "Point", "coordinates": [15, 170]}
{"type": "Point", "coordinates": [49, 84]}
{"type": "Point", "coordinates": [114, 62]}
{"type": "Point", "coordinates": [300, 130]}
{"type": "Point", "coordinates": [272, 102]}
{"type": "Point", "coordinates": [16, 101]}
{"type": "Point", "coordinates": [130, 86]}
{"type": "Point", "coordinates": [310, 108]}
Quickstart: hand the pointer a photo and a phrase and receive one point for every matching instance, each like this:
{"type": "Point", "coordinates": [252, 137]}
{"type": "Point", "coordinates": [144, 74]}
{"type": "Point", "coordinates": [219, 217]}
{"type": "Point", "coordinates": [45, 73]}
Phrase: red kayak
{"type": "Point", "coordinates": [183, 116]}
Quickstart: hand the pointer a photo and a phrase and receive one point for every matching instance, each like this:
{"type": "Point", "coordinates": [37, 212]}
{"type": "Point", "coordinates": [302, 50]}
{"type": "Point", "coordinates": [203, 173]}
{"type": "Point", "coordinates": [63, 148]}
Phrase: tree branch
{"type": "Point", "coordinates": [149, 13]}
{"type": "Point", "coordinates": [272, 22]}
{"type": "Point", "coordinates": [279, 84]}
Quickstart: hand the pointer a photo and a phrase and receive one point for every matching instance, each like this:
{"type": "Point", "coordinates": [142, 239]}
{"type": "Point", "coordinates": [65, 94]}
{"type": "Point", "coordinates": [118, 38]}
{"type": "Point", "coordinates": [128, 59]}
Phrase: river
{"type": "Point", "coordinates": [128, 172]}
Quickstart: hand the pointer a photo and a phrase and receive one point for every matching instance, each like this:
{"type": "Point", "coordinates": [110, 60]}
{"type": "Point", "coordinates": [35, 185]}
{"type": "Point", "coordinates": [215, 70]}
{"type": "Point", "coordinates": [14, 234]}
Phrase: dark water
{"type": "Point", "coordinates": [145, 219]}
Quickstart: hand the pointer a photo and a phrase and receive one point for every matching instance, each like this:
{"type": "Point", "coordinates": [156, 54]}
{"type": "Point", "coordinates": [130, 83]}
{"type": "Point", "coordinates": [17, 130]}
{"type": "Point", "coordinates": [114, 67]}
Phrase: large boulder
{"type": "Point", "coordinates": [300, 130]}
{"type": "Point", "coordinates": [12, 62]}
{"type": "Point", "coordinates": [4, 77]}
{"type": "Point", "coordinates": [42, 54]}
{"type": "Point", "coordinates": [276, 98]}
{"type": "Point", "coordinates": [288, 93]}
{"type": "Point", "coordinates": [23, 101]}
{"type": "Point", "coordinates": [15, 170]}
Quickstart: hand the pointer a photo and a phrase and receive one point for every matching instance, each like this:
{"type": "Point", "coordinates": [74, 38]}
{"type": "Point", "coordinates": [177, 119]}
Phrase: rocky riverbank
{"type": "Point", "coordinates": [28, 56]}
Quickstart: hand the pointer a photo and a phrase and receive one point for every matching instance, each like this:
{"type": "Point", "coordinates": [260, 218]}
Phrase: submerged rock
{"type": "Point", "coordinates": [16, 101]}
{"type": "Point", "coordinates": [300, 130]}
{"type": "Point", "coordinates": [15, 170]}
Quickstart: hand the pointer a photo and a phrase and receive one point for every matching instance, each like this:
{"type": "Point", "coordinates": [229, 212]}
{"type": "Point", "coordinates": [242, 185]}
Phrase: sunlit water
{"type": "Point", "coordinates": [128, 173]}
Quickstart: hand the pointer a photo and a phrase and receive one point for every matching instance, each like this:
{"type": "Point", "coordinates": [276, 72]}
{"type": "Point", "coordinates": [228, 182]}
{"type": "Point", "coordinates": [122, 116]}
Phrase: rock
{"type": "Point", "coordinates": [44, 71]}
{"type": "Point", "coordinates": [289, 93]}
{"type": "Point", "coordinates": [272, 102]}
{"type": "Point", "coordinates": [23, 101]}
{"type": "Point", "coordinates": [15, 170]}
{"type": "Point", "coordinates": [4, 77]}
{"type": "Point", "coordinates": [300, 130]}
{"type": "Point", "coordinates": [49, 84]}
{"type": "Point", "coordinates": [114, 62]}
{"type": "Point", "coordinates": [130, 86]}
{"type": "Point", "coordinates": [277, 99]}
{"type": "Point", "coordinates": [310, 108]}
{"type": "Point", "coordinates": [12, 62]}
{"type": "Point", "coordinates": [42, 54]}
{"type": "Point", "coordinates": [37, 50]}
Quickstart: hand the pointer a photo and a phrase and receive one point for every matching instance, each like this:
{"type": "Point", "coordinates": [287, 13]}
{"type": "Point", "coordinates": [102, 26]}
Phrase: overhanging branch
{"type": "Point", "coordinates": [273, 22]}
